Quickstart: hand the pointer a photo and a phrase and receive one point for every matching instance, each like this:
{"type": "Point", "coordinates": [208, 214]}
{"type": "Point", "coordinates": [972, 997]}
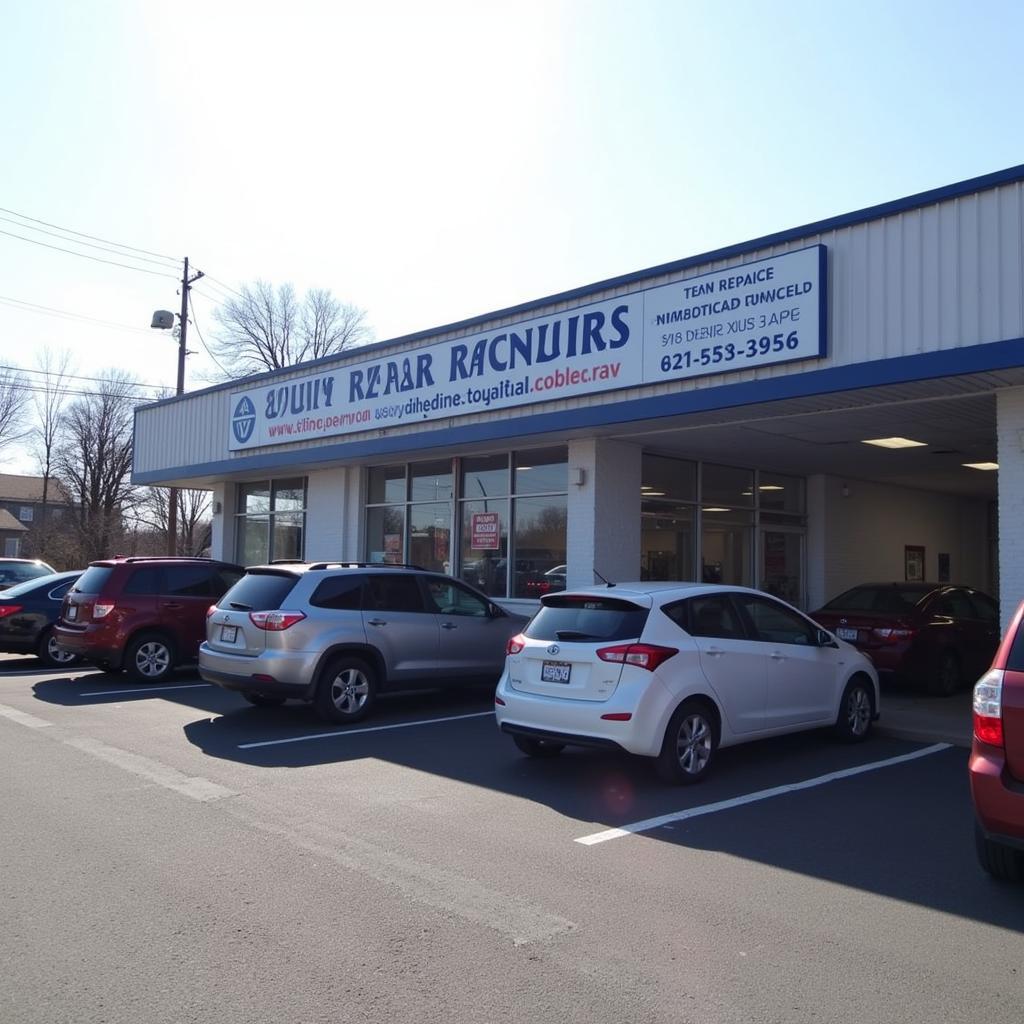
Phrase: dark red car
{"type": "Point", "coordinates": [145, 615]}
{"type": "Point", "coordinates": [996, 767]}
{"type": "Point", "coordinates": [938, 635]}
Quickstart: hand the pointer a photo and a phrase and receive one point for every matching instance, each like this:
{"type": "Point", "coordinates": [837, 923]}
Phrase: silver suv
{"type": "Point", "coordinates": [337, 634]}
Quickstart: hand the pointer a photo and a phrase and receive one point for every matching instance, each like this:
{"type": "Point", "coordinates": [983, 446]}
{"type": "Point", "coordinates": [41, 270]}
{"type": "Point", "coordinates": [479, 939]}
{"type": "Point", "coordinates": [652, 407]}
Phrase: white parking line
{"type": "Point", "coordinates": [145, 689]}
{"type": "Point", "coordinates": [22, 718]}
{"type": "Point", "coordinates": [763, 794]}
{"type": "Point", "coordinates": [353, 732]}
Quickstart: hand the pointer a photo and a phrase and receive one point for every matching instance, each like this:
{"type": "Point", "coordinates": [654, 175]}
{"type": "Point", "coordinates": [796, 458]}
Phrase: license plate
{"type": "Point", "coordinates": [846, 634]}
{"type": "Point", "coordinates": [555, 672]}
{"type": "Point", "coordinates": [228, 634]}
{"type": "Point", "coordinates": [72, 612]}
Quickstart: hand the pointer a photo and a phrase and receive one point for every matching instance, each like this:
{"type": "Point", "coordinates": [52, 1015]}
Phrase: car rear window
{"type": "Point", "coordinates": [20, 589]}
{"type": "Point", "coordinates": [890, 599]}
{"type": "Point", "coordinates": [1015, 659]}
{"type": "Point", "coordinates": [94, 579]}
{"type": "Point", "coordinates": [259, 591]}
{"type": "Point", "coordinates": [591, 618]}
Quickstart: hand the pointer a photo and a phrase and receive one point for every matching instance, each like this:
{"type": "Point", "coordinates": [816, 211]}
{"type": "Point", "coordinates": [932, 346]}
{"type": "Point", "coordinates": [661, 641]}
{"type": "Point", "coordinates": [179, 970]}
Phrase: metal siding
{"type": "Point", "coordinates": [930, 278]}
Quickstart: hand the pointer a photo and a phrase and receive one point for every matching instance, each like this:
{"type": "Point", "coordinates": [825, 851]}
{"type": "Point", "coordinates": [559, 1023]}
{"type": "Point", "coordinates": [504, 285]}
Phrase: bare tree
{"type": "Point", "coordinates": [94, 461]}
{"type": "Point", "coordinates": [267, 329]}
{"type": "Point", "coordinates": [49, 403]}
{"type": "Point", "coordinates": [14, 394]}
{"type": "Point", "coordinates": [150, 514]}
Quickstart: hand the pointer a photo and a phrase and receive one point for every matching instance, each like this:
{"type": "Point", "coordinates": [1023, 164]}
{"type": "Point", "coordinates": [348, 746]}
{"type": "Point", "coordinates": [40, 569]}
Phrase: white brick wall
{"type": "Point", "coordinates": [326, 518]}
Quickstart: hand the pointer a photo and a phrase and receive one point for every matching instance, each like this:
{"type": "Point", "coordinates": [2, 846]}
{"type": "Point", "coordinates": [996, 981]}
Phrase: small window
{"type": "Point", "coordinates": [987, 609]}
{"type": "Point", "coordinates": [25, 513]}
{"type": "Point", "coordinates": [340, 593]}
{"type": "Point", "coordinates": [451, 599]}
{"type": "Point", "coordinates": [144, 580]}
{"type": "Point", "coordinates": [188, 581]}
{"type": "Point", "coordinates": [58, 593]}
{"type": "Point", "coordinates": [712, 616]}
{"type": "Point", "coordinates": [775, 624]}
{"type": "Point", "coordinates": [394, 594]}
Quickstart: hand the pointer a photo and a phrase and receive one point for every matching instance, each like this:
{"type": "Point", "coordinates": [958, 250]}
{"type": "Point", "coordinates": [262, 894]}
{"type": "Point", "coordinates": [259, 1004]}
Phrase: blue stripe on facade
{"type": "Point", "coordinates": [1001, 355]}
{"type": "Point", "coordinates": [889, 209]}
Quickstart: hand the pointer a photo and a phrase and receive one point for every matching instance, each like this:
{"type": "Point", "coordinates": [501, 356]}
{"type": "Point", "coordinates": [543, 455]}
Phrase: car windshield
{"type": "Point", "coordinates": [886, 599]}
{"type": "Point", "coordinates": [587, 618]}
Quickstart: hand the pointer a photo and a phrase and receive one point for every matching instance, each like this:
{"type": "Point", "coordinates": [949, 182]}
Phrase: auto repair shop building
{"type": "Point", "coordinates": [836, 403]}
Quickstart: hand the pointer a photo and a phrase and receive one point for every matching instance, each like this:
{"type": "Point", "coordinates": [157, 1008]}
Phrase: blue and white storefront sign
{"type": "Point", "coordinates": [768, 311]}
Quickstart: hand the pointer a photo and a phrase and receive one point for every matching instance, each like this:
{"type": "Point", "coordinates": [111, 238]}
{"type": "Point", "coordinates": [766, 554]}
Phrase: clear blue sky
{"type": "Point", "coordinates": [430, 162]}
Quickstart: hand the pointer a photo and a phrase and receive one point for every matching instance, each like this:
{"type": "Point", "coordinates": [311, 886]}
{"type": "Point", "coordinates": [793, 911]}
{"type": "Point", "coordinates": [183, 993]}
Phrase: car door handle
{"type": "Point", "coordinates": [776, 656]}
{"type": "Point", "coordinates": [173, 605]}
{"type": "Point", "coordinates": [449, 625]}
{"type": "Point", "coordinates": [376, 622]}
{"type": "Point", "coordinates": [715, 651]}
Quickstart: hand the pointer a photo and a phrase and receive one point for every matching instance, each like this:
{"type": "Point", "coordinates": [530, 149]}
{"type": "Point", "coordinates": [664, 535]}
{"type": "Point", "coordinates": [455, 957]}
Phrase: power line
{"type": "Point", "coordinates": [86, 256]}
{"type": "Point", "coordinates": [35, 307]}
{"type": "Point", "coordinates": [31, 388]}
{"type": "Point", "coordinates": [78, 376]}
{"type": "Point", "coordinates": [195, 321]}
{"type": "Point", "coordinates": [82, 234]}
{"type": "Point", "coordinates": [224, 287]}
{"type": "Point", "coordinates": [92, 245]}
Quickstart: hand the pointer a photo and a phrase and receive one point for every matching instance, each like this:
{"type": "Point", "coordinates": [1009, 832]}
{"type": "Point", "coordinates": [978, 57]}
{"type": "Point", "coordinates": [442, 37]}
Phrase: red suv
{"type": "Point", "coordinates": [996, 766]}
{"type": "Point", "coordinates": [145, 615]}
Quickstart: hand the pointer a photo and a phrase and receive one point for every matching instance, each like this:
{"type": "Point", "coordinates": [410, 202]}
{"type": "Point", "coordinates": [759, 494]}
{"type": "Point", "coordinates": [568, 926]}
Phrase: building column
{"type": "Point", "coordinates": [222, 523]}
{"type": "Point", "coordinates": [326, 518]}
{"type": "Point", "coordinates": [1010, 438]}
{"type": "Point", "coordinates": [603, 532]}
{"type": "Point", "coordinates": [816, 548]}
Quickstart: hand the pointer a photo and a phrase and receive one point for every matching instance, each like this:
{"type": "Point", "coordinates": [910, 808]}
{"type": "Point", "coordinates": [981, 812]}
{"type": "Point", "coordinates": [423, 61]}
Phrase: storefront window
{"type": "Point", "coordinates": [386, 485]}
{"type": "Point", "coordinates": [727, 538]}
{"type": "Point", "coordinates": [271, 520]}
{"type": "Point", "coordinates": [666, 541]}
{"type": "Point", "coordinates": [539, 547]}
{"type": "Point", "coordinates": [385, 534]}
{"type": "Point", "coordinates": [543, 471]}
{"type": "Point", "coordinates": [430, 535]}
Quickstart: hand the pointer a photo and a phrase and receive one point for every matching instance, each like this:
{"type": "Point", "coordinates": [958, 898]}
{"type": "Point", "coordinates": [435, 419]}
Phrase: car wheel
{"type": "Point", "coordinates": [50, 654]}
{"type": "Point", "coordinates": [346, 690]}
{"type": "Point", "coordinates": [260, 701]}
{"type": "Point", "coordinates": [149, 658]}
{"type": "Point", "coordinates": [534, 747]}
{"type": "Point", "coordinates": [856, 710]}
{"type": "Point", "coordinates": [690, 743]}
{"type": "Point", "coordinates": [946, 680]}
{"type": "Point", "coordinates": [999, 861]}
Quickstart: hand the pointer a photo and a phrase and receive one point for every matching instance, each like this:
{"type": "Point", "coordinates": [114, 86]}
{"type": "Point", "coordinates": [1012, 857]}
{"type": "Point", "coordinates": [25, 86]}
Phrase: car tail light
{"type": "Point", "coordinates": [102, 610]}
{"type": "Point", "coordinates": [618, 716]}
{"type": "Point", "coordinates": [515, 644]}
{"type": "Point", "coordinates": [498, 700]}
{"type": "Point", "coordinates": [988, 708]}
{"type": "Point", "coordinates": [275, 622]}
{"type": "Point", "coordinates": [646, 656]}
{"type": "Point", "coordinates": [211, 610]}
{"type": "Point", "coordinates": [9, 609]}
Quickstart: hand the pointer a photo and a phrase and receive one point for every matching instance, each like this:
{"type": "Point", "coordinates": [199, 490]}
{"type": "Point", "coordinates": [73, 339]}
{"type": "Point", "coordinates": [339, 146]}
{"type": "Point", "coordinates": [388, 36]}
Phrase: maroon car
{"type": "Point", "coordinates": [938, 635]}
{"type": "Point", "coordinates": [145, 615]}
{"type": "Point", "coordinates": [996, 767]}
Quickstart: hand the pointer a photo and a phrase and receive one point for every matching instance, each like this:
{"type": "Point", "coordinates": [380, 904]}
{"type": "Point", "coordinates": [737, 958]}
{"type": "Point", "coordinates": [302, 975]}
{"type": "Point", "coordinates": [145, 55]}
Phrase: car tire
{"type": "Point", "coordinates": [1001, 862]}
{"type": "Point", "coordinates": [856, 711]}
{"type": "Point", "coordinates": [532, 746]}
{"type": "Point", "coordinates": [947, 678]}
{"type": "Point", "coordinates": [50, 654]}
{"type": "Point", "coordinates": [149, 658]}
{"type": "Point", "coordinates": [259, 700]}
{"type": "Point", "coordinates": [346, 690]}
{"type": "Point", "coordinates": [690, 742]}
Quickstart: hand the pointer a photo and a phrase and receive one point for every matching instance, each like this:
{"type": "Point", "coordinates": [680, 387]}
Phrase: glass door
{"type": "Point", "coordinates": [781, 570]}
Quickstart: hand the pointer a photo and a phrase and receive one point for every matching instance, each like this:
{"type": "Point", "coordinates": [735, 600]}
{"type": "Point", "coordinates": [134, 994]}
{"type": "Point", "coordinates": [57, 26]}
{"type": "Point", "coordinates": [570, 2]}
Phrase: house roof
{"type": "Point", "coordinates": [14, 487]}
{"type": "Point", "coordinates": [8, 522]}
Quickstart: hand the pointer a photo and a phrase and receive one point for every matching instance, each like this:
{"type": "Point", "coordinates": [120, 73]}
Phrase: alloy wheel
{"type": "Point", "coordinates": [349, 691]}
{"type": "Point", "coordinates": [152, 659]}
{"type": "Point", "coordinates": [693, 744]}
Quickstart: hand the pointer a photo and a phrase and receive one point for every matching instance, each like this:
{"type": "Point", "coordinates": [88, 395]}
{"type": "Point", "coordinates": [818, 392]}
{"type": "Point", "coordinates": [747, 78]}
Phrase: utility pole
{"type": "Point", "coordinates": [172, 497]}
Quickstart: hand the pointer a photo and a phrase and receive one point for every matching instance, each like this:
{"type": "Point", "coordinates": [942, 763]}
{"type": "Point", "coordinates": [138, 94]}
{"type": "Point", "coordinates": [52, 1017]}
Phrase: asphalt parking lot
{"type": "Point", "coordinates": [801, 874]}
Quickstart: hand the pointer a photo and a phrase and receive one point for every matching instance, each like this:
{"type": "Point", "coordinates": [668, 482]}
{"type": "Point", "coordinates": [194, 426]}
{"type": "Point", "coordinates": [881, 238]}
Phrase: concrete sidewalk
{"type": "Point", "coordinates": [912, 715]}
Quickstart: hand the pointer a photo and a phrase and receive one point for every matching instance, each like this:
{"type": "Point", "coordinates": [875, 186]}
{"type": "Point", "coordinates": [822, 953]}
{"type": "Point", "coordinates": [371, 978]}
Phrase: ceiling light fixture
{"type": "Point", "coordinates": [988, 466]}
{"type": "Point", "coordinates": [716, 509]}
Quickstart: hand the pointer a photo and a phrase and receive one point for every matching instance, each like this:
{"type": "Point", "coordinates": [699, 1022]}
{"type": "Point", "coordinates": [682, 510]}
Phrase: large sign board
{"type": "Point", "coordinates": [767, 311]}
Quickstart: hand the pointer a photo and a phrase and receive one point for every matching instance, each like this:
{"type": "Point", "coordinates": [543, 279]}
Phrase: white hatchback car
{"type": "Point", "coordinates": [675, 671]}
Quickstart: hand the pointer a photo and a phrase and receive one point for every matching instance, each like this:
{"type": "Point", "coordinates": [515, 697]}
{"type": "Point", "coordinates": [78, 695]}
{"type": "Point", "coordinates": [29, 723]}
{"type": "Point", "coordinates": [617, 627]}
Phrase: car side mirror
{"type": "Point", "coordinates": [825, 639]}
{"type": "Point", "coordinates": [493, 611]}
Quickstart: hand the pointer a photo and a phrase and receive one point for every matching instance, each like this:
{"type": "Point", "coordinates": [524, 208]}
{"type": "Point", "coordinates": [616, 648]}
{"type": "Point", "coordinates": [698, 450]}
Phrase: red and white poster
{"type": "Point", "coordinates": [485, 531]}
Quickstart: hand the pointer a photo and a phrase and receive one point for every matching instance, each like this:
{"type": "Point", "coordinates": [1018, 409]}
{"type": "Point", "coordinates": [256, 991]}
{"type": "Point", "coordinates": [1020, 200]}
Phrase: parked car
{"type": "Point", "coordinates": [145, 615]}
{"type": "Point", "coordinates": [337, 634]}
{"type": "Point", "coordinates": [28, 612]}
{"type": "Point", "coordinates": [18, 570]}
{"type": "Point", "coordinates": [674, 671]}
{"type": "Point", "coordinates": [996, 766]}
{"type": "Point", "coordinates": [939, 636]}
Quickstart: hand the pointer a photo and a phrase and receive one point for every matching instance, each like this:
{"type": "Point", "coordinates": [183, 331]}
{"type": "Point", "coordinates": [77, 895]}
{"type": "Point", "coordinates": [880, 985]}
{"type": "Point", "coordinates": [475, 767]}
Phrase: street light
{"type": "Point", "coordinates": [163, 319]}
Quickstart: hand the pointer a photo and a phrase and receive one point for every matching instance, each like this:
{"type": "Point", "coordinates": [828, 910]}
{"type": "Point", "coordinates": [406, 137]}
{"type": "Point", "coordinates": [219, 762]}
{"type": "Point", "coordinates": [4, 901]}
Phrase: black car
{"type": "Point", "coordinates": [27, 613]}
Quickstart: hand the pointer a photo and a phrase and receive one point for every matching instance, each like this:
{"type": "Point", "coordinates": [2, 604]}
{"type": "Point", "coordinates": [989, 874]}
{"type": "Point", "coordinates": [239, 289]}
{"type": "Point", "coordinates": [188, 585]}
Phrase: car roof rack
{"type": "Point", "coordinates": [164, 558]}
{"type": "Point", "coordinates": [366, 565]}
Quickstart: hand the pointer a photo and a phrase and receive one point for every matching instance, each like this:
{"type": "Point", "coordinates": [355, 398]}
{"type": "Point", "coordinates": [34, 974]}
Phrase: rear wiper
{"type": "Point", "coordinates": [240, 607]}
{"type": "Point", "coordinates": [573, 634]}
